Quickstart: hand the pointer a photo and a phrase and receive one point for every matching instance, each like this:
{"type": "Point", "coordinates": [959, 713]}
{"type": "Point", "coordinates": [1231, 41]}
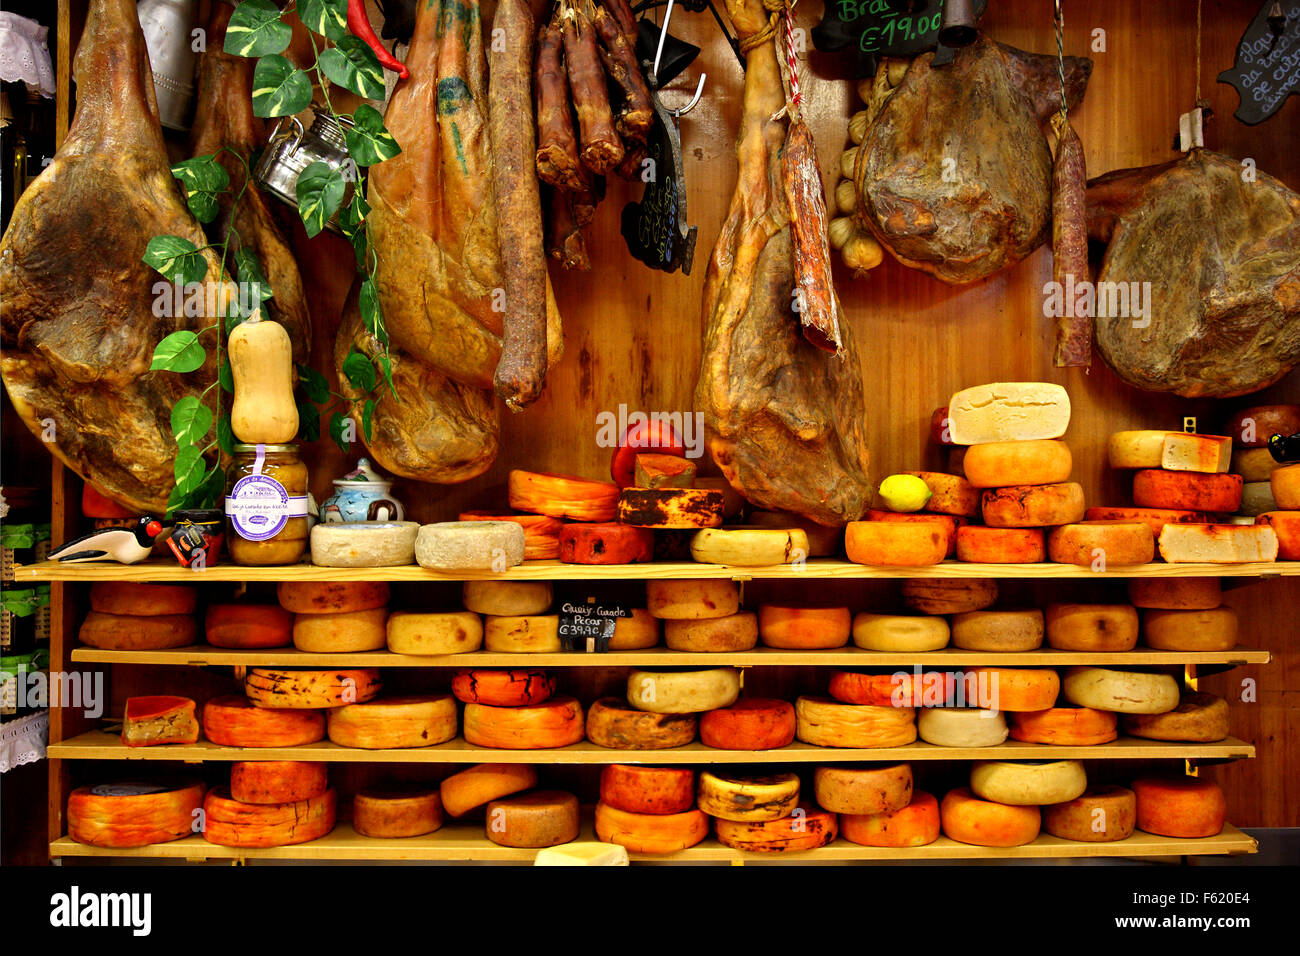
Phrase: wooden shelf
{"type": "Point", "coordinates": [159, 571]}
{"type": "Point", "coordinates": [199, 655]}
{"type": "Point", "coordinates": [103, 745]}
{"type": "Point", "coordinates": [461, 841]}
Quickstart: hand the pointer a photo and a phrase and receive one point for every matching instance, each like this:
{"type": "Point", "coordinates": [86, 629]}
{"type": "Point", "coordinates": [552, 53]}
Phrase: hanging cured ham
{"type": "Point", "coordinates": [76, 303]}
{"type": "Point", "coordinates": [786, 420]}
{"type": "Point", "coordinates": [1220, 247]}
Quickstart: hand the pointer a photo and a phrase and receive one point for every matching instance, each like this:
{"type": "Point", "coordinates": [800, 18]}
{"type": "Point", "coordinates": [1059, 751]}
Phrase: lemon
{"type": "Point", "coordinates": [904, 493]}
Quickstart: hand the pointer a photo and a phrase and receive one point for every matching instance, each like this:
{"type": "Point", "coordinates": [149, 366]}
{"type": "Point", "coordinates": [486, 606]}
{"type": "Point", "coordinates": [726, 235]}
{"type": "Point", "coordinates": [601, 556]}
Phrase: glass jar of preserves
{"type": "Point", "coordinates": [266, 505]}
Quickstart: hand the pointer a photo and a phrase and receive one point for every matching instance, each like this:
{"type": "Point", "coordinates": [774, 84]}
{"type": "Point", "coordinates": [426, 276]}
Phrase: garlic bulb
{"type": "Point", "coordinates": [841, 231]}
{"type": "Point", "coordinates": [858, 126]}
{"type": "Point", "coordinates": [848, 159]}
{"type": "Point", "coordinates": [846, 196]}
{"type": "Point", "coordinates": [862, 252]}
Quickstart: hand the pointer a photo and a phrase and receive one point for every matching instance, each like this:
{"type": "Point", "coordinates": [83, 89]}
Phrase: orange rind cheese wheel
{"type": "Point", "coordinates": [513, 687]}
{"type": "Point", "coordinates": [727, 796]}
{"type": "Point", "coordinates": [998, 629]}
{"type": "Point", "coordinates": [331, 597]}
{"type": "Point", "coordinates": [1199, 718]}
{"type": "Point", "coordinates": [229, 822]}
{"type": "Point", "coordinates": [635, 633]}
{"type": "Point", "coordinates": [908, 544]}
{"type": "Point", "coordinates": [949, 595]}
{"type": "Point", "coordinates": [1187, 808]}
{"type": "Point", "coordinates": [1012, 689]}
{"type": "Point", "coordinates": [311, 690]}
{"type": "Point", "coordinates": [556, 723]}
{"type": "Point", "coordinates": [997, 464]}
{"type": "Point", "coordinates": [1033, 506]}
{"type": "Point", "coordinates": [1186, 490]}
{"type": "Point", "coordinates": [669, 508]}
{"type": "Point", "coordinates": [1101, 544]}
{"type": "Point", "coordinates": [605, 542]}
{"type": "Point", "coordinates": [121, 632]}
{"type": "Point", "coordinates": [133, 814]}
{"type": "Point", "coordinates": [650, 833]}
{"type": "Point", "coordinates": [277, 781]}
{"type": "Point", "coordinates": [522, 634]}
{"type": "Point", "coordinates": [248, 625]}
{"type": "Point", "coordinates": [968, 819]}
{"type": "Point", "coordinates": [863, 790]}
{"type": "Point", "coordinates": [751, 723]}
{"type": "Point", "coordinates": [803, 628]}
{"type": "Point", "coordinates": [1092, 627]}
{"type": "Point", "coordinates": [915, 825]}
{"type": "Point", "coordinates": [483, 783]}
{"type": "Point", "coordinates": [736, 632]}
{"type": "Point", "coordinates": [1175, 594]}
{"type": "Point", "coordinates": [344, 632]}
{"type": "Point", "coordinates": [1285, 482]}
{"type": "Point", "coordinates": [612, 723]}
{"type": "Point", "coordinates": [1286, 525]}
{"type": "Point", "coordinates": [1157, 518]}
{"type": "Point", "coordinates": [536, 819]}
{"type": "Point", "coordinates": [142, 600]}
{"type": "Point", "coordinates": [807, 828]}
{"type": "Point", "coordinates": [397, 813]}
{"type": "Point", "coordinates": [541, 532]}
{"type": "Point", "coordinates": [234, 722]}
{"type": "Point", "coordinates": [693, 599]}
{"type": "Point", "coordinates": [952, 523]}
{"type": "Point", "coordinates": [1209, 630]}
{"type": "Point", "coordinates": [1101, 814]}
{"type": "Point", "coordinates": [1065, 726]}
{"type": "Point", "coordinates": [394, 722]}
{"type": "Point", "coordinates": [949, 494]}
{"type": "Point", "coordinates": [562, 496]}
{"type": "Point", "coordinates": [983, 545]}
{"type": "Point", "coordinates": [825, 722]}
{"type": "Point", "coordinates": [899, 689]}
{"type": "Point", "coordinates": [657, 790]}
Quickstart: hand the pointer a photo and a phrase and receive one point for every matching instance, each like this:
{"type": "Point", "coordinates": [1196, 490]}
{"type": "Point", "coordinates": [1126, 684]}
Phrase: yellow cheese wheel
{"type": "Point", "coordinates": [535, 634]}
{"type": "Point", "coordinates": [1177, 594]}
{"type": "Point", "coordinates": [949, 595]}
{"type": "Point", "coordinates": [1125, 692]}
{"type": "Point", "coordinates": [1207, 454]}
{"type": "Point", "coordinates": [347, 631]}
{"type": "Point", "coordinates": [396, 813]}
{"type": "Point", "coordinates": [692, 599]}
{"type": "Point", "coordinates": [949, 494]}
{"type": "Point", "coordinates": [968, 819]}
{"type": "Point", "coordinates": [823, 542]}
{"type": "Point", "coordinates": [507, 598]}
{"type": "Point", "coordinates": [826, 722]}
{"type": "Point", "coordinates": [142, 600]}
{"type": "Point", "coordinates": [127, 632]}
{"type": "Point", "coordinates": [1033, 506]}
{"type": "Point", "coordinates": [915, 825]}
{"type": "Point", "coordinates": [1092, 627]}
{"type": "Point", "coordinates": [863, 790]}
{"type": "Point", "coordinates": [683, 692]}
{"type": "Point", "coordinates": [905, 633]}
{"type": "Point", "coordinates": [482, 783]}
{"type": "Point", "coordinates": [1199, 717]}
{"type": "Point", "coordinates": [1009, 629]}
{"type": "Point", "coordinates": [897, 543]}
{"type": "Point", "coordinates": [1254, 464]}
{"type": "Point", "coordinates": [1209, 630]}
{"type": "Point", "coordinates": [634, 633]}
{"type": "Point", "coordinates": [1000, 463]}
{"type": "Point", "coordinates": [1102, 544]}
{"type": "Point", "coordinates": [961, 726]}
{"type": "Point", "coordinates": [1101, 814]}
{"type": "Point", "coordinates": [1136, 449]}
{"type": "Point", "coordinates": [1024, 783]}
{"type": "Point", "coordinates": [303, 689]}
{"type": "Point", "coordinates": [729, 797]}
{"type": "Point", "coordinates": [652, 833]}
{"type": "Point", "coordinates": [1218, 543]}
{"type": "Point", "coordinates": [736, 632]}
{"type": "Point", "coordinates": [1286, 487]}
{"type": "Point", "coordinates": [1006, 688]}
{"type": "Point", "coordinates": [612, 723]}
{"type": "Point", "coordinates": [582, 853]}
{"type": "Point", "coordinates": [393, 722]}
{"type": "Point", "coordinates": [794, 627]}
{"type": "Point", "coordinates": [557, 722]}
{"type": "Point", "coordinates": [749, 547]}
{"type": "Point", "coordinates": [539, 818]}
{"type": "Point", "coordinates": [428, 633]}
{"type": "Point", "coordinates": [331, 597]}
{"type": "Point", "coordinates": [807, 828]}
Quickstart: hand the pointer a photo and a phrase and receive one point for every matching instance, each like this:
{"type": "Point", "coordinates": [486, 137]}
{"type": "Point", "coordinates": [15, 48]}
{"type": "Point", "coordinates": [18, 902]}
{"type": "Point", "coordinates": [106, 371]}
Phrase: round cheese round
{"type": "Point", "coordinates": [998, 630]}
{"type": "Point", "coordinates": [751, 723]}
{"type": "Point", "coordinates": [1136, 449]}
{"type": "Point", "coordinates": [730, 797]}
{"type": "Point", "coordinates": [692, 599]}
{"type": "Point", "coordinates": [1209, 630]}
{"type": "Point", "coordinates": [1027, 783]}
{"type": "Point", "coordinates": [1033, 506]}
{"type": "Point", "coordinates": [736, 632]}
{"type": "Point", "coordinates": [124, 632]}
{"type": "Point", "coordinates": [142, 600]}
{"type": "Point", "coordinates": [1101, 814]}
{"type": "Point", "coordinates": [507, 598]}
{"type": "Point", "coordinates": [749, 547]}
{"type": "Point", "coordinates": [535, 634]}
{"type": "Point", "coordinates": [635, 633]}
{"type": "Point", "coordinates": [983, 545]}
{"type": "Point", "coordinates": [562, 496]}
{"type": "Point", "coordinates": [961, 726]}
{"type": "Point", "coordinates": [1065, 726]}
{"type": "Point", "coordinates": [949, 494]}
{"type": "Point", "coordinates": [541, 532]}
{"type": "Point", "coordinates": [1256, 499]}
{"type": "Point", "coordinates": [1092, 627]}
{"type": "Point", "coordinates": [393, 722]}
{"type": "Point", "coordinates": [1186, 490]}
{"type": "Point", "coordinates": [806, 828]}
{"type": "Point", "coordinates": [248, 625]}
{"type": "Point", "coordinates": [228, 822]}
{"type": "Point", "coordinates": [474, 786]}
{"type": "Point", "coordinates": [430, 633]}
{"type": "Point", "coordinates": [302, 689]}
{"type": "Point", "coordinates": [1200, 718]}
{"type": "Point", "coordinates": [234, 722]}
{"type": "Point", "coordinates": [134, 813]}
{"type": "Point", "coordinates": [638, 789]}
{"type": "Point", "coordinates": [863, 790]}
{"type": "Point", "coordinates": [968, 819]}
{"type": "Point", "coordinates": [1011, 689]}
{"type": "Point", "coordinates": [683, 692]}
{"type": "Point", "coordinates": [513, 687]}
{"type": "Point", "coordinates": [795, 627]}
{"type": "Point", "coordinates": [915, 825]}
{"type": "Point", "coordinates": [905, 633]}
{"type": "Point", "coordinates": [366, 544]}
{"type": "Point", "coordinates": [1286, 525]}
{"type": "Point", "coordinates": [670, 507]}
{"type": "Point", "coordinates": [582, 853]}
{"type": "Point", "coordinates": [1254, 464]}
{"type": "Point", "coordinates": [534, 819]}
{"type": "Point", "coordinates": [1125, 692]}
{"type": "Point", "coordinates": [605, 542]}
{"type": "Point", "coordinates": [345, 632]}
{"type": "Point", "coordinates": [897, 543]}
{"type": "Point", "coordinates": [1184, 807]}
{"type": "Point", "coordinates": [951, 523]}
{"type": "Point", "coordinates": [999, 463]}
{"type": "Point", "coordinates": [331, 597]}
{"type": "Point", "coordinates": [556, 723]}
{"type": "Point", "coordinates": [396, 813]}
{"type": "Point", "coordinates": [612, 723]}
{"type": "Point", "coordinates": [277, 781]}
{"type": "Point", "coordinates": [826, 722]}
{"type": "Point", "coordinates": [470, 546]}
{"type": "Point", "coordinates": [1102, 543]}
{"type": "Point", "coordinates": [1175, 593]}
{"type": "Point", "coordinates": [949, 595]}
{"type": "Point", "coordinates": [898, 689]}
{"type": "Point", "coordinates": [651, 833]}
{"type": "Point", "coordinates": [1285, 482]}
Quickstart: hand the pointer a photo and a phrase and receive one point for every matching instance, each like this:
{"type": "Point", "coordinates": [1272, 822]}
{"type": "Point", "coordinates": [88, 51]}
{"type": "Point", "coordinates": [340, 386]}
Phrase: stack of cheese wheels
{"type": "Point", "coordinates": [514, 616]}
{"type": "Point", "coordinates": [1101, 814]}
{"type": "Point", "coordinates": [1183, 807]}
{"type": "Point", "coordinates": [1199, 717]}
{"type": "Point", "coordinates": [914, 825]}
{"type": "Point", "coordinates": [126, 616]}
{"type": "Point", "coordinates": [135, 813]}
{"type": "Point", "coordinates": [763, 814]}
{"type": "Point", "coordinates": [235, 722]}
{"type": "Point", "coordinates": [823, 542]}
{"type": "Point", "coordinates": [1124, 692]}
{"type": "Point", "coordinates": [999, 629]}
{"type": "Point", "coordinates": [396, 812]}
{"type": "Point", "coordinates": [248, 625]}
{"type": "Point", "coordinates": [1092, 627]}
{"type": "Point", "coordinates": [800, 627]}
{"type": "Point", "coordinates": [806, 828]}
{"type": "Point", "coordinates": [910, 540]}
{"type": "Point", "coordinates": [1211, 629]}
{"type": "Point", "coordinates": [337, 617]}
{"type": "Point", "coordinates": [649, 809]}
{"type": "Point", "coordinates": [393, 722]}
{"type": "Point", "coordinates": [231, 822]}
{"type": "Point", "coordinates": [476, 786]}
{"type": "Point", "coordinates": [310, 689]}
{"type": "Point", "coordinates": [1250, 430]}
{"type": "Point", "coordinates": [701, 615]}
{"type": "Point", "coordinates": [751, 723]}
{"type": "Point", "coordinates": [541, 532]}
{"type": "Point", "coordinates": [277, 781]}
{"type": "Point", "coordinates": [556, 722]}
{"type": "Point", "coordinates": [967, 818]}
{"type": "Point", "coordinates": [536, 819]}
{"type": "Point", "coordinates": [431, 633]}
{"type": "Point", "coordinates": [827, 722]}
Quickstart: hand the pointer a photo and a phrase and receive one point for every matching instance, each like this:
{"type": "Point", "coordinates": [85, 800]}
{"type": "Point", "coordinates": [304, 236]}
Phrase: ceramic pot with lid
{"type": "Point", "coordinates": [362, 495]}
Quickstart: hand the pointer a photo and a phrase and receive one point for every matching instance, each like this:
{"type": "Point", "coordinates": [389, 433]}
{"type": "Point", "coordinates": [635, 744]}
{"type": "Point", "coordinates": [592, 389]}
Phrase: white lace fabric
{"type": "Point", "coordinates": [23, 741]}
{"type": "Point", "coordinates": [25, 54]}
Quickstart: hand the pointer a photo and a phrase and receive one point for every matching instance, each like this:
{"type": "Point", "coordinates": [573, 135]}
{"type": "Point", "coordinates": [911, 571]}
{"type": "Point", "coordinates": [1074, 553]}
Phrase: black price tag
{"type": "Point", "coordinates": [655, 228]}
{"type": "Point", "coordinates": [1267, 68]}
{"type": "Point", "coordinates": [587, 621]}
{"type": "Point", "coordinates": [880, 28]}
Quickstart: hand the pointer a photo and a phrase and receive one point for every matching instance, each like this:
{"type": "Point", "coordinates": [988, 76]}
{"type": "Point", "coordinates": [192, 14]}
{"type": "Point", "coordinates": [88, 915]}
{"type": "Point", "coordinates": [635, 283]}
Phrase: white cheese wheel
{"type": "Point", "coordinates": [1125, 692]}
{"type": "Point", "coordinates": [683, 692]}
{"type": "Point", "coordinates": [370, 544]}
{"type": "Point", "coordinates": [582, 853]}
{"type": "Point", "coordinates": [523, 634]}
{"type": "Point", "coordinates": [1008, 411]}
{"type": "Point", "coordinates": [1207, 454]}
{"type": "Point", "coordinates": [961, 726]}
{"type": "Point", "coordinates": [707, 597]}
{"type": "Point", "coordinates": [1257, 498]}
{"type": "Point", "coordinates": [746, 799]}
{"type": "Point", "coordinates": [905, 633]}
{"type": "Point", "coordinates": [434, 632]}
{"type": "Point", "coordinates": [736, 632]}
{"type": "Point", "coordinates": [1027, 783]}
{"type": "Point", "coordinates": [1137, 449]}
{"type": "Point", "coordinates": [863, 790]}
{"type": "Point", "coordinates": [1018, 629]}
{"type": "Point", "coordinates": [393, 722]}
{"type": "Point", "coordinates": [470, 545]}
{"type": "Point", "coordinates": [1208, 630]}
{"type": "Point", "coordinates": [1254, 464]}
{"type": "Point", "coordinates": [1218, 543]}
{"type": "Point", "coordinates": [350, 631]}
{"type": "Point", "coordinates": [749, 547]}
{"type": "Point", "coordinates": [507, 598]}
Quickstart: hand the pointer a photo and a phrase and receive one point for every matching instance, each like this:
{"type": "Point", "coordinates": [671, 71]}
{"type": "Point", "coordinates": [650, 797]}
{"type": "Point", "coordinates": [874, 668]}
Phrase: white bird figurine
{"type": "Point", "coordinates": [125, 545]}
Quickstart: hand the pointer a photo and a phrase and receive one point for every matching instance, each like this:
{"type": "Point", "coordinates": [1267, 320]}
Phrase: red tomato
{"type": "Point", "coordinates": [651, 435]}
{"type": "Point", "coordinates": [939, 427]}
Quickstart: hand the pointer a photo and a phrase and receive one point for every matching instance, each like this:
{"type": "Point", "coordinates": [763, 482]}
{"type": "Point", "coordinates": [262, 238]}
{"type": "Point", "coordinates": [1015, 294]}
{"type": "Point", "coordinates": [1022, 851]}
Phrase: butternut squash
{"type": "Point", "coordinates": [261, 364]}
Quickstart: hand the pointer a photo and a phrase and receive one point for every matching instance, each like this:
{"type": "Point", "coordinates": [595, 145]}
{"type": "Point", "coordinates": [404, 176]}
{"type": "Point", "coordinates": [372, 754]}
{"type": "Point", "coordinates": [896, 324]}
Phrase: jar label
{"type": "Point", "coordinates": [259, 507]}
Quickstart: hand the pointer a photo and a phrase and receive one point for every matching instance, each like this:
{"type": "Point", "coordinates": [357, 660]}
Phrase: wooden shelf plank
{"type": "Point", "coordinates": [103, 745]}
{"type": "Point", "coordinates": [459, 841]}
{"type": "Point", "coordinates": [163, 572]}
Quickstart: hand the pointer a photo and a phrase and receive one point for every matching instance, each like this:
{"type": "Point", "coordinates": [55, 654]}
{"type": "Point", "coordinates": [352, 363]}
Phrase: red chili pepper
{"type": "Point", "coordinates": [359, 27]}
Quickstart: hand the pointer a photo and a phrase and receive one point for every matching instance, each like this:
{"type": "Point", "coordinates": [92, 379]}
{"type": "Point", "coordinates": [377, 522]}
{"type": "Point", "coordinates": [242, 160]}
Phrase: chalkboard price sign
{"type": "Point", "coordinates": [655, 228]}
{"type": "Point", "coordinates": [878, 28]}
{"type": "Point", "coordinates": [1267, 70]}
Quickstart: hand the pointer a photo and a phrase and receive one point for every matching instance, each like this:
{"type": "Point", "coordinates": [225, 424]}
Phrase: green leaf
{"type": "Point", "coordinates": [234, 319]}
{"type": "Point", "coordinates": [177, 499]}
{"type": "Point", "coordinates": [308, 422]}
{"type": "Point", "coordinates": [338, 422]}
{"type": "Point", "coordinates": [178, 352]}
{"type": "Point", "coordinates": [360, 247]}
{"type": "Point", "coordinates": [188, 468]}
{"type": "Point", "coordinates": [249, 271]}
{"type": "Point", "coordinates": [353, 65]}
{"type": "Point", "coordinates": [225, 435]}
{"type": "Point", "coordinates": [191, 420]}
{"type": "Point", "coordinates": [368, 140]}
{"type": "Point", "coordinates": [255, 29]}
{"type": "Point", "coordinates": [367, 415]}
{"type": "Point", "coordinates": [204, 179]}
{"type": "Point", "coordinates": [329, 18]}
{"type": "Point", "coordinates": [226, 377]}
{"type": "Point", "coordinates": [371, 313]}
{"type": "Point", "coordinates": [313, 383]}
{"type": "Point", "coordinates": [359, 370]}
{"type": "Point", "coordinates": [386, 369]}
{"type": "Point", "coordinates": [320, 193]}
{"type": "Point", "coordinates": [353, 213]}
{"type": "Point", "coordinates": [179, 260]}
{"type": "Point", "coordinates": [211, 489]}
{"type": "Point", "coordinates": [279, 88]}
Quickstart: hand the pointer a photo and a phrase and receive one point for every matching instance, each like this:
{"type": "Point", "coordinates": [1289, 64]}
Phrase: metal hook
{"type": "Point", "coordinates": [654, 69]}
{"type": "Point", "coordinates": [699, 91]}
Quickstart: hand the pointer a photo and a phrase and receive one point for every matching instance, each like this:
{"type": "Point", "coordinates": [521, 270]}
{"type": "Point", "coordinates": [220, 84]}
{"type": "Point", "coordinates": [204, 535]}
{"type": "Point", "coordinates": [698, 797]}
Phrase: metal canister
{"type": "Point", "coordinates": [291, 149]}
{"type": "Point", "coordinates": [168, 27]}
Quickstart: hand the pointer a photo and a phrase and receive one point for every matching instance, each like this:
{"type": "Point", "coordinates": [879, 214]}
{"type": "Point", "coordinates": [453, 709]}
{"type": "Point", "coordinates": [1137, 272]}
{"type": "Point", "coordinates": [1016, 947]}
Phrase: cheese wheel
{"type": "Point", "coordinates": [1200, 718]}
{"type": "Point", "coordinates": [1207, 454]}
{"type": "Point", "coordinates": [1256, 499]}
{"type": "Point", "coordinates": [968, 819]}
{"type": "Point", "coordinates": [904, 633]}
{"type": "Point", "coordinates": [507, 598]}
{"type": "Point", "coordinates": [1003, 629]}
{"type": "Point", "coordinates": [1092, 627]}
{"type": "Point", "coordinates": [803, 628]}
{"type": "Point", "coordinates": [365, 544]}
{"type": "Point", "coordinates": [1252, 427]}
{"type": "Point", "coordinates": [951, 523]}
{"type": "Point", "coordinates": [1286, 525]}
{"type": "Point", "coordinates": [949, 595]}
{"type": "Point", "coordinates": [134, 814]}
{"type": "Point", "coordinates": [1125, 692]}
{"type": "Point", "coordinates": [393, 814]}
{"type": "Point", "coordinates": [470, 546]}
{"type": "Point", "coordinates": [949, 494]}
{"type": "Point", "coordinates": [277, 781]}
{"type": "Point", "coordinates": [729, 797]}
{"type": "Point", "coordinates": [1186, 491]}
{"type": "Point", "coordinates": [1157, 518]}
{"type": "Point", "coordinates": [1101, 814]}
{"type": "Point", "coordinates": [1136, 449]}
{"type": "Point", "coordinates": [1184, 807]}
{"type": "Point", "coordinates": [562, 496]}
{"type": "Point", "coordinates": [915, 825]}
{"type": "Point", "coordinates": [428, 633]}
{"type": "Point", "coordinates": [247, 625]}
{"type": "Point", "coordinates": [899, 689]}
{"type": "Point", "coordinates": [541, 532]}
{"type": "Point", "coordinates": [234, 722]}
{"type": "Point", "coordinates": [1254, 464]}
{"type": "Point", "coordinates": [331, 597]}
{"type": "Point", "coordinates": [611, 723]}
{"type": "Point", "coordinates": [1176, 593]}
{"type": "Point", "coordinates": [474, 786]}
{"type": "Point", "coordinates": [751, 723]}
{"type": "Point", "coordinates": [349, 631]}
{"type": "Point", "coordinates": [159, 719]}
{"type": "Point", "coordinates": [823, 542]}
{"type": "Point", "coordinates": [1000, 463]}
{"type": "Point", "coordinates": [1033, 506]}
{"type": "Point", "coordinates": [651, 833]}
{"type": "Point", "coordinates": [683, 692]}
{"type": "Point", "coordinates": [692, 599]}
{"type": "Point", "coordinates": [670, 507]}
{"type": "Point", "coordinates": [394, 722]}
{"type": "Point", "coordinates": [826, 722]}
{"type": "Point", "coordinates": [229, 822]}
{"type": "Point", "coordinates": [1102, 544]}
{"type": "Point", "coordinates": [732, 501]}
{"type": "Point", "coordinates": [1210, 630]}
{"type": "Point", "coordinates": [588, 853]}
{"type": "Point", "coordinates": [736, 632]}
{"type": "Point", "coordinates": [982, 545]}
{"type": "Point", "coordinates": [534, 634]}
{"type": "Point", "coordinates": [863, 790]}
{"type": "Point", "coordinates": [274, 687]}
{"type": "Point", "coordinates": [142, 600]}
{"type": "Point", "coordinates": [1027, 783]}
{"type": "Point", "coordinates": [1218, 543]}
{"type": "Point", "coordinates": [1008, 411]}
{"type": "Point", "coordinates": [1066, 726]}
{"type": "Point", "coordinates": [897, 544]}
{"type": "Point", "coordinates": [121, 632]}
{"type": "Point", "coordinates": [556, 723]}
{"type": "Point", "coordinates": [639, 789]}
{"type": "Point", "coordinates": [503, 688]}
{"type": "Point", "coordinates": [535, 819]}
{"type": "Point", "coordinates": [749, 547]}
{"type": "Point", "coordinates": [1010, 689]}
{"type": "Point", "coordinates": [605, 542]}
{"type": "Point", "coordinates": [961, 726]}
{"type": "Point", "coordinates": [662, 471]}
{"type": "Point", "coordinates": [807, 828]}
{"type": "Point", "coordinates": [635, 633]}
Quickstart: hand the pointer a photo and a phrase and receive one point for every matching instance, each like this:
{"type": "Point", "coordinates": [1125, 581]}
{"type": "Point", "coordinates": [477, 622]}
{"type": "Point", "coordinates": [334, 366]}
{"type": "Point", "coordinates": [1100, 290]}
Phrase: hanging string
{"type": "Point", "coordinates": [1198, 52]}
{"type": "Point", "coordinates": [796, 97]}
{"type": "Point", "coordinates": [1059, 20]}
